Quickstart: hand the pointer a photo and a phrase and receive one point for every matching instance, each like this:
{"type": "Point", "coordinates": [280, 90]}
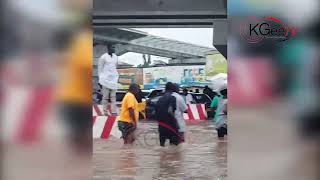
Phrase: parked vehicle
{"type": "Point", "coordinates": [151, 101]}
{"type": "Point", "coordinates": [155, 95]}
{"type": "Point", "coordinates": [119, 95]}
{"type": "Point", "coordinates": [200, 98]}
{"type": "Point", "coordinates": [97, 99]}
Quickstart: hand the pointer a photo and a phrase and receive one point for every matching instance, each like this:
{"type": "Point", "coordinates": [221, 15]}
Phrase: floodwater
{"type": "Point", "coordinates": [203, 156]}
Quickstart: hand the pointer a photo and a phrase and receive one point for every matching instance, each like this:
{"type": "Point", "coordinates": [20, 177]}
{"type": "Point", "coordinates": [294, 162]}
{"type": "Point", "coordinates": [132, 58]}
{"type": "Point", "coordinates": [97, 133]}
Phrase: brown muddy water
{"type": "Point", "coordinates": [203, 156]}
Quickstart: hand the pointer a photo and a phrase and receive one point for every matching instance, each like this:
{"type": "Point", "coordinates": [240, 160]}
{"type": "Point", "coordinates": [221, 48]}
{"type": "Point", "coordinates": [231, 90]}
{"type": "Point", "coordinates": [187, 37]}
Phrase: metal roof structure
{"type": "Point", "coordinates": [129, 40]}
{"type": "Point", "coordinates": [116, 35]}
{"type": "Point", "coordinates": [158, 13]}
{"type": "Point", "coordinates": [165, 14]}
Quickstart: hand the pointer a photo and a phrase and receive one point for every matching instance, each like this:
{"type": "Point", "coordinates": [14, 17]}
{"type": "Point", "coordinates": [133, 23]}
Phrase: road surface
{"type": "Point", "coordinates": [203, 156]}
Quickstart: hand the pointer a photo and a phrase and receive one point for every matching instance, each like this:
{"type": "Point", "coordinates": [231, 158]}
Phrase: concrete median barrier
{"type": "Point", "coordinates": [106, 126]}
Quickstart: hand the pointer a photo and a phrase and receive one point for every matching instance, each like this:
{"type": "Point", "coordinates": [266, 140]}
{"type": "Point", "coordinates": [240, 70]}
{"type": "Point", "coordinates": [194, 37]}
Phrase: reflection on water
{"type": "Point", "coordinates": [203, 156]}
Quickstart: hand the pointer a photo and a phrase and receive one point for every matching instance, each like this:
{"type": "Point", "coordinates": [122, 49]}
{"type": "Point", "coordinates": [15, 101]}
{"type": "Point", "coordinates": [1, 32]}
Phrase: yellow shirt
{"type": "Point", "coordinates": [129, 101]}
{"type": "Point", "coordinates": [76, 84]}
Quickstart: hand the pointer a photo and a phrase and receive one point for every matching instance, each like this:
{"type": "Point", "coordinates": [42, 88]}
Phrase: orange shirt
{"type": "Point", "coordinates": [76, 84]}
{"type": "Point", "coordinates": [129, 101]}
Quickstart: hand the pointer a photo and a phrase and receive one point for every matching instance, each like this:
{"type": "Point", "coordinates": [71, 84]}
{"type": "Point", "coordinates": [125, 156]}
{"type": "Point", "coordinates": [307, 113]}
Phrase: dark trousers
{"type": "Point", "coordinates": [222, 131]}
{"type": "Point", "coordinates": [174, 137]}
{"type": "Point", "coordinates": [78, 120]}
{"type": "Point", "coordinates": [174, 140]}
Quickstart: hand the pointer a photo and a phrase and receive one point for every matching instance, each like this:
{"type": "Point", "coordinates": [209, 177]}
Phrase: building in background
{"type": "Point", "coordinates": [186, 62]}
{"type": "Point", "coordinates": [185, 75]}
{"type": "Point", "coordinates": [128, 76]}
{"type": "Point", "coordinates": [215, 64]}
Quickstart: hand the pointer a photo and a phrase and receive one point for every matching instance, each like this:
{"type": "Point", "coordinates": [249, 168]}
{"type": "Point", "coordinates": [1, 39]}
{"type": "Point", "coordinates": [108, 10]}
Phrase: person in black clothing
{"type": "Point", "coordinates": [139, 96]}
{"type": "Point", "coordinates": [209, 92]}
{"type": "Point", "coordinates": [168, 125]}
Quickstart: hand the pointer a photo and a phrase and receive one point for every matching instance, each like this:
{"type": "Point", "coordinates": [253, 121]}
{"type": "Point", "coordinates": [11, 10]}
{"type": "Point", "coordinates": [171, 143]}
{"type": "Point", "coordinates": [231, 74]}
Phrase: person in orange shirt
{"type": "Point", "coordinates": [129, 114]}
{"type": "Point", "coordinates": [74, 91]}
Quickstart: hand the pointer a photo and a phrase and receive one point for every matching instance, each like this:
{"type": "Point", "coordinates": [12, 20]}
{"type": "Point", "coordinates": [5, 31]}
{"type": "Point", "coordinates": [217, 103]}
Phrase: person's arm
{"type": "Point", "coordinates": [182, 104]}
{"type": "Point", "coordinates": [101, 63]}
{"type": "Point", "coordinates": [225, 109]}
{"type": "Point", "coordinates": [132, 116]}
{"type": "Point", "coordinates": [131, 105]}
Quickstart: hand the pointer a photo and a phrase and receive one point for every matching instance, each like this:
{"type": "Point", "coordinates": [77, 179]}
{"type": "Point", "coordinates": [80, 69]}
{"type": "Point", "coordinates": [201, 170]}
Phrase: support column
{"type": "Point", "coordinates": [220, 36]}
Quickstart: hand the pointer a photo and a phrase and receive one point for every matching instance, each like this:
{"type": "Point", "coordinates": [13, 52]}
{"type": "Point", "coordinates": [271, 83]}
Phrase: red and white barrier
{"type": "Point", "coordinates": [195, 112]}
{"type": "Point", "coordinates": [97, 110]}
{"type": "Point", "coordinates": [29, 115]}
{"type": "Point", "coordinates": [104, 126]}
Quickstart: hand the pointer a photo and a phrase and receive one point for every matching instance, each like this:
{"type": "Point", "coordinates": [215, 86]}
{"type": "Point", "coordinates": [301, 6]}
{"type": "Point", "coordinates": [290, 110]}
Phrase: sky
{"type": "Point", "coordinates": [197, 36]}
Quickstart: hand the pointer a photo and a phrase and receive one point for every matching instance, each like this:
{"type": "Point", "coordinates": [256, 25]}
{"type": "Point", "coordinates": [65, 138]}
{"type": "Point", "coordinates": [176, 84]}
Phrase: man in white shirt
{"type": "Point", "coordinates": [108, 78]}
{"type": "Point", "coordinates": [181, 107]}
{"type": "Point", "coordinates": [187, 97]}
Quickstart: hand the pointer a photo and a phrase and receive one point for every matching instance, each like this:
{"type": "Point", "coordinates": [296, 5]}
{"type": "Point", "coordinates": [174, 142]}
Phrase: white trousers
{"type": "Point", "coordinates": [109, 94]}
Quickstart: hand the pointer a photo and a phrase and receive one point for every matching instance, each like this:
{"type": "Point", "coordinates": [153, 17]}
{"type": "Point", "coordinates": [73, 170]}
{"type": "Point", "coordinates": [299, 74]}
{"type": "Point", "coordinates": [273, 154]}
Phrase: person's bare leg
{"type": "Point", "coordinates": [131, 137]}
{"type": "Point", "coordinates": [125, 140]}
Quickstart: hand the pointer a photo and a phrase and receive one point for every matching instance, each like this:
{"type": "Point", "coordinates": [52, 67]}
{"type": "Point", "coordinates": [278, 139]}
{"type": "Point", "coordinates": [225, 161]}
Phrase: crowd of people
{"type": "Point", "coordinates": [169, 109]}
{"type": "Point", "coordinates": [169, 115]}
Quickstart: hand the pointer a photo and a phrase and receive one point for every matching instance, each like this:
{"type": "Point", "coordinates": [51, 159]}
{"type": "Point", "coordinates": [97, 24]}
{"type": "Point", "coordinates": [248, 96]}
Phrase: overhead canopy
{"type": "Point", "coordinates": [117, 35]}
{"type": "Point", "coordinates": [187, 49]}
{"type": "Point", "coordinates": [129, 40]}
{"type": "Point", "coordinates": [164, 13]}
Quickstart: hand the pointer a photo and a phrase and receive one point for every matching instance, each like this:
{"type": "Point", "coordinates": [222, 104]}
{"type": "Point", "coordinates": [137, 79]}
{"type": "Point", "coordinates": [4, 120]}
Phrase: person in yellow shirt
{"type": "Point", "coordinates": [129, 114]}
{"type": "Point", "coordinates": [74, 91]}
{"type": "Point", "coordinates": [76, 84]}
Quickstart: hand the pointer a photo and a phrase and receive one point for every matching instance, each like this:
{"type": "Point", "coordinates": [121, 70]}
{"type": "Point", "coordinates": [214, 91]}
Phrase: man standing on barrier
{"type": "Point", "coordinates": [108, 78]}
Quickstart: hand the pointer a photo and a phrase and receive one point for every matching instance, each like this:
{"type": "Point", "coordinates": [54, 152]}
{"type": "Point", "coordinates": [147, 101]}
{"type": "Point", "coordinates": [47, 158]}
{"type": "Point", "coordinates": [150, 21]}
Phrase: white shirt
{"type": "Point", "coordinates": [189, 98]}
{"type": "Point", "coordinates": [107, 71]}
{"type": "Point", "coordinates": [181, 108]}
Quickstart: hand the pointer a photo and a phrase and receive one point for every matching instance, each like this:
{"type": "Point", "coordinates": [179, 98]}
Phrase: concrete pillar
{"type": "Point", "coordinates": [220, 36]}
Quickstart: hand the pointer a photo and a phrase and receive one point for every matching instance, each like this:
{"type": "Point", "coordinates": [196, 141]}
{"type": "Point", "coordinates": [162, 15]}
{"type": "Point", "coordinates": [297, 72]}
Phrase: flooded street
{"type": "Point", "coordinates": [203, 156]}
